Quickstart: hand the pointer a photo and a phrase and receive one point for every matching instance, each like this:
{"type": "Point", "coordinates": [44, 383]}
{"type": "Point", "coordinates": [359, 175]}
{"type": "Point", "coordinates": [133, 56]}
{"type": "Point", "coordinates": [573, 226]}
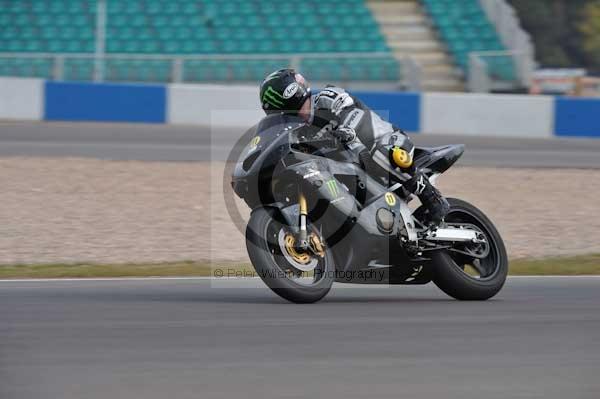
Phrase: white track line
{"type": "Point", "coordinates": [51, 280]}
{"type": "Point", "coordinates": [59, 280]}
{"type": "Point", "coordinates": [559, 276]}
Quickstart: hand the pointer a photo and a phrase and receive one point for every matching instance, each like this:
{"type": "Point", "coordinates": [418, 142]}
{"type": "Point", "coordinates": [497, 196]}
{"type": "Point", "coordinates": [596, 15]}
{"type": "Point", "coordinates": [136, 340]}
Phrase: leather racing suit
{"type": "Point", "coordinates": [384, 149]}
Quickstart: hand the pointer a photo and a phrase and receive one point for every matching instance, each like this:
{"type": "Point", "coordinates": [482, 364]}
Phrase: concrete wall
{"type": "Point", "coordinates": [238, 106]}
{"type": "Point", "coordinates": [487, 114]}
{"type": "Point", "coordinates": [213, 105]}
{"type": "Point", "coordinates": [21, 98]}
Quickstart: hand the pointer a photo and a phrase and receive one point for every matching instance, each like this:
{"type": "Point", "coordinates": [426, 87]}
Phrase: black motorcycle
{"type": "Point", "coordinates": [319, 217]}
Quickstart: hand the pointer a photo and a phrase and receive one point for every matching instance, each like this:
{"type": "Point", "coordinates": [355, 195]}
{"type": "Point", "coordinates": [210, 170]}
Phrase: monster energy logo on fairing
{"type": "Point", "coordinates": [273, 98]}
{"type": "Point", "coordinates": [333, 188]}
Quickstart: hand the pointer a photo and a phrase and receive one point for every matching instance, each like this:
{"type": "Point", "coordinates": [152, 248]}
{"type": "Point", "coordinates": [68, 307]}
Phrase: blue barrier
{"type": "Point", "coordinates": [72, 101]}
{"type": "Point", "coordinates": [401, 109]}
{"type": "Point", "coordinates": [577, 117]}
{"type": "Point", "coordinates": [67, 101]}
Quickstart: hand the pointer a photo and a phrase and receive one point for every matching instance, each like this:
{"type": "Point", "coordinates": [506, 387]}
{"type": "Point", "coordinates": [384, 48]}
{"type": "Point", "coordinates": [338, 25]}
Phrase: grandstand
{"type": "Point", "coordinates": [465, 28]}
{"type": "Point", "coordinates": [241, 40]}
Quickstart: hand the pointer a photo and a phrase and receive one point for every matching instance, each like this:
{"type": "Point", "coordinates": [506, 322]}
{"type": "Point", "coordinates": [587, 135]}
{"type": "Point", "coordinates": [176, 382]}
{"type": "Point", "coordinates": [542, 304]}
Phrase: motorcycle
{"type": "Point", "coordinates": [319, 217]}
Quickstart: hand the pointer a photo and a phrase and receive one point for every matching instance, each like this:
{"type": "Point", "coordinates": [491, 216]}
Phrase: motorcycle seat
{"type": "Point", "coordinates": [438, 159]}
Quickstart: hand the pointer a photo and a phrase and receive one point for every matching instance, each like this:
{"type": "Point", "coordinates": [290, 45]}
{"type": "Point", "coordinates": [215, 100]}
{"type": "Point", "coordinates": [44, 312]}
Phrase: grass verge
{"type": "Point", "coordinates": [567, 266]}
{"type": "Point", "coordinates": [89, 270]}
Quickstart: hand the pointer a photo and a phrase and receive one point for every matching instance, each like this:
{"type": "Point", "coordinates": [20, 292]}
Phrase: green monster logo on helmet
{"type": "Point", "coordinates": [283, 91]}
{"type": "Point", "coordinates": [273, 98]}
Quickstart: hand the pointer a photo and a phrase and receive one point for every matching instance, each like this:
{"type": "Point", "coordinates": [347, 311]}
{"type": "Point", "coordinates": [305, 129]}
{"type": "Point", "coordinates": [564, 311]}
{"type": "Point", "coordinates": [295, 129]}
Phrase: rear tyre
{"type": "Point", "coordinates": [468, 278]}
{"type": "Point", "coordinates": [295, 281]}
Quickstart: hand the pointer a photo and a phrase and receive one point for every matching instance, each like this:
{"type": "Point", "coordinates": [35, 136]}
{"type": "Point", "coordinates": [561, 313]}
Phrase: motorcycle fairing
{"type": "Point", "coordinates": [346, 219]}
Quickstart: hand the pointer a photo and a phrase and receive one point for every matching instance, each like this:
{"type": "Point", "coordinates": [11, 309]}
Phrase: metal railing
{"type": "Point", "coordinates": [100, 66]}
{"type": "Point", "coordinates": [517, 41]}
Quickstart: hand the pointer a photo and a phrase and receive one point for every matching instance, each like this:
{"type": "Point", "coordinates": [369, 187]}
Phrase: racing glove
{"type": "Point", "coordinates": [344, 133]}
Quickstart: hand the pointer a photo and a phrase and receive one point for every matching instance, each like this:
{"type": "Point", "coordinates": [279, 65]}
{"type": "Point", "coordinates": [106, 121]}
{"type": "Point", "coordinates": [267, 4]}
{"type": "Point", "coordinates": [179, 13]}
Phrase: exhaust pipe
{"type": "Point", "coordinates": [454, 235]}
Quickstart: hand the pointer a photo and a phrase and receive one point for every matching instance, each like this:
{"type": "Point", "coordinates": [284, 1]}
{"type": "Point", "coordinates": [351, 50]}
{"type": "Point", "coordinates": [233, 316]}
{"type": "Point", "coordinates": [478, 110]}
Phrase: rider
{"type": "Point", "coordinates": [383, 148]}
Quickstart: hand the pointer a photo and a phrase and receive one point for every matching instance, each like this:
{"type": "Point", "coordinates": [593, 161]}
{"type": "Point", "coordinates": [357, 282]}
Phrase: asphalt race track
{"type": "Point", "coordinates": [187, 143]}
{"type": "Point", "coordinates": [231, 338]}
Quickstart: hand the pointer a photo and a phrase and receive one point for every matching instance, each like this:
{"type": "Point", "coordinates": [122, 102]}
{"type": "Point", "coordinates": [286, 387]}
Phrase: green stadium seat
{"type": "Point", "coordinates": [465, 28]}
{"type": "Point", "coordinates": [195, 27]}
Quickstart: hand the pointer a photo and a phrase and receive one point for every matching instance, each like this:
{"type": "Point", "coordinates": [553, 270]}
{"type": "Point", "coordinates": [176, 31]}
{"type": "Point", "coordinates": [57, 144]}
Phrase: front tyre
{"type": "Point", "coordinates": [295, 276]}
{"type": "Point", "coordinates": [470, 271]}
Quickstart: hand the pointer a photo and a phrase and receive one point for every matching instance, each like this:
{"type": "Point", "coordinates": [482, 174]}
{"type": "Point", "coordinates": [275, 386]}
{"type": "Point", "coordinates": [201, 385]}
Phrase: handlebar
{"type": "Point", "coordinates": [318, 140]}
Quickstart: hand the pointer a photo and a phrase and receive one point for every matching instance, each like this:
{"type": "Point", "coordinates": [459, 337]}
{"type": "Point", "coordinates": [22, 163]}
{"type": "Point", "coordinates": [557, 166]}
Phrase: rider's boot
{"type": "Point", "coordinates": [429, 196]}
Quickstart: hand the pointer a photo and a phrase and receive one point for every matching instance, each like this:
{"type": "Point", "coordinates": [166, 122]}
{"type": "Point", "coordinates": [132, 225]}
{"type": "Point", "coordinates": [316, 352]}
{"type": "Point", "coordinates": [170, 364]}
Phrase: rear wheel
{"type": "Point", "coordinates": [296, 275]}
{"type": "Point", "coordinates": [471, 271]}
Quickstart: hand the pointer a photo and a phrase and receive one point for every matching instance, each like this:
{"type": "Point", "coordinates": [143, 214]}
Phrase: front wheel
{"type": "Point", "coordinates": [471, 271]}
{"type": "Point", "coordinates": [298, 276]}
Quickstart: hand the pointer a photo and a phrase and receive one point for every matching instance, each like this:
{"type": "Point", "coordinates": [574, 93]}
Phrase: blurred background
{"type": "Point", "coordinates": [445, 71]}
{"type": "Point", "coordinates": [117, 117]}
{"type": "Point", "coordinates": [539, 46]}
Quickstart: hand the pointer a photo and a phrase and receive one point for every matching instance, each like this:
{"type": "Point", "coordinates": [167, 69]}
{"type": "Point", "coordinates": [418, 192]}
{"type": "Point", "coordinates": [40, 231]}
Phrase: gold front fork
{"type": "Point", "coordinates": [303, 204]}
{"type": "Point", "coordinates": [302, 235]}
{"type": "Point", "coordinates": [315, 243]}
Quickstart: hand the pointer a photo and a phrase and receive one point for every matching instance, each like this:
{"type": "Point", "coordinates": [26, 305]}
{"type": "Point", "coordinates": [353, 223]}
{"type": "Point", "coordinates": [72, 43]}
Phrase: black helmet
{"type": "Point", "coordinates": [283, 91]}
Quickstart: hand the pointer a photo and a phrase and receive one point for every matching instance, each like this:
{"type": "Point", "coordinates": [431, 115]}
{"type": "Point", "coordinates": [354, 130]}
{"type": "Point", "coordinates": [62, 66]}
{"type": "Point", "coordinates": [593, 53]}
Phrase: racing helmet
{"type": "Point", "coordinates": [283, 91]}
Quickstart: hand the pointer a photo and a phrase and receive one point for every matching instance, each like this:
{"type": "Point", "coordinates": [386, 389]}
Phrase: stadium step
{"type": "Point", "coordinates": [408, 32]}
{"type": "Point", "coordinates": [406, 20]}
{"type": "Point", "coordinates": [393, 32]}
{"type": "Point", "coordinates": [443, 84]}
{"type": "Point", "coordinates": [414, 46]}
{"type": "Point", "coordinates": [440, 71]}
{"type": "Point", "coordinates": [403, 6]}
{"type": "Point", "coordinates": [430, 59]}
